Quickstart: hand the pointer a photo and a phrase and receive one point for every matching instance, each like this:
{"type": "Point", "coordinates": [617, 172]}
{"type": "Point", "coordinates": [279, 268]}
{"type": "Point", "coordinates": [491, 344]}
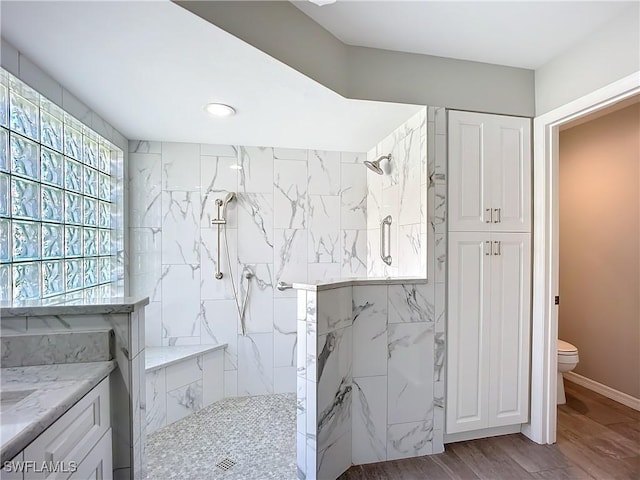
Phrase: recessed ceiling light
{"type": "Point", "coordinates": [320, 3]}
{"type": "Point", "coordinates": [219, 109]}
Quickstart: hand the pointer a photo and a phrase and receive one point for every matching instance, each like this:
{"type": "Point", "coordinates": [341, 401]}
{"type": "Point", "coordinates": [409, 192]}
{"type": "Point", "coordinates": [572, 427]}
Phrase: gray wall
{"type": "Point", "coordinates": [609, 54]}
{"type": "Point", "coordinates": [287, 34]}
{"type": "Point", "coordinates": [600, 247]}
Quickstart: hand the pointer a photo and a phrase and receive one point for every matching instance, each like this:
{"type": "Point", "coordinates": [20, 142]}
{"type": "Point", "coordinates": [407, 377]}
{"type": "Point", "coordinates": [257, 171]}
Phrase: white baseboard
{"type": "Point", "coordinates": [620, 397]}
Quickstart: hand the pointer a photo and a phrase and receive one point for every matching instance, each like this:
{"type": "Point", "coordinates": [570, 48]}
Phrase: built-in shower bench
{"type": "Point", "coordinates": [180, 380]}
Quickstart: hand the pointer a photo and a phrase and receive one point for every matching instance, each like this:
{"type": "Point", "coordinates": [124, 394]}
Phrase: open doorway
{"type": "Point", "coordinates": [599, 253]}
{"type": "Point", "coordinates": [542, 425]}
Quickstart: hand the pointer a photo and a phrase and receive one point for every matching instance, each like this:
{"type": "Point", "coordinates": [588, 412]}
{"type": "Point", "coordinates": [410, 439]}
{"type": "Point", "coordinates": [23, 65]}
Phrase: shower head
{"type": "Point", "coordinates": [375, 165]}
{"type": "Point", "coordinates": [230, 197]}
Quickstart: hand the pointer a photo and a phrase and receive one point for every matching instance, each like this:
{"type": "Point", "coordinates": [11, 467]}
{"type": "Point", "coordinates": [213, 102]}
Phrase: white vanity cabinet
{"type": "Point", "coordinates": [489, 173]}
{"type": "Point", "coordinates": [489, 273]}
{"type": "Point", "coordinates": [78, 443]}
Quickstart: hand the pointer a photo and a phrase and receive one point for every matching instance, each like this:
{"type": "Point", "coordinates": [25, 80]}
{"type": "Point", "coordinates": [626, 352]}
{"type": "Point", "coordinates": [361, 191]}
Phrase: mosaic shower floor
{"type": "Point", "coordinates": [257, 433]}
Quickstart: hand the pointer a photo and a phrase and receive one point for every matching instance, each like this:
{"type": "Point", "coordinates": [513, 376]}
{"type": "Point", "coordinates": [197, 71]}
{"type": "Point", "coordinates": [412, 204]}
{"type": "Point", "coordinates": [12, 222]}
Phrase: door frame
{"type": "Point", "coordinates": [542, 423]}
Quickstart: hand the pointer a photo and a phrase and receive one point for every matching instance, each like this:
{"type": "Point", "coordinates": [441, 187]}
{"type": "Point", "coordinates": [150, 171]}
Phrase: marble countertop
{"type": "Point", "coordinates": [71, 305]}
{"type": "Point", "coordinates": [158, 357]}
{"type": "Point", "coordinates": [355, 282]}
{"type": "Point", "coordinates": [52, 390]}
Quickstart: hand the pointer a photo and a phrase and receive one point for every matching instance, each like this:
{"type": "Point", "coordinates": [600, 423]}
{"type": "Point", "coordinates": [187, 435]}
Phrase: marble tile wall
{"type": "Point", "coordinates": [402, 193]}
{"type": "Point", "coordinates": [300, 216]}
{"type": "Point", "coordinates": [183, 388]}
{"type": "Point", "coordinates": [368, 377]}
{"type": "Point", "coordinates": [324, 381]}
{"type": "Point", "coordinates": [394, 346]}
{"type": "Point", "coordinates": [437, 257]}
{"type": "Point", "coordinates": [393, 384]}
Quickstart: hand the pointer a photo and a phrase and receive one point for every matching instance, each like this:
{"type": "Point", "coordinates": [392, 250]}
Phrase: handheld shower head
{"type": "Point", "coordinates": [230, 197]}
{"type": "Point", "coordinates": [375, 165]}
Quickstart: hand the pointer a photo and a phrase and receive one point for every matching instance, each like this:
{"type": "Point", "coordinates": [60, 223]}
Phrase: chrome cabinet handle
{"type": "Point", "coordinates": [497, 248]}
{"type": "Point", "coordinates": [487, 247]}
{"type": "Point", "coordinates": [498, 218]}
{"type": "Point", "coordinates": [488, 215]}
{"type": "Point", "coordinates": [385, 247]}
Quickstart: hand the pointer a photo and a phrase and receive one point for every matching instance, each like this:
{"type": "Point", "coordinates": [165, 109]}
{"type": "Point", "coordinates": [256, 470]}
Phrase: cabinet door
{"type": "Point", "coordinates": [98, 464]}
{"type": "Point", "coordinates": [489, 172]}
{"type": "Point", "coordinates": [509, 329]}
{"type": "Point", "coordinates": [508, 148]}
{"type": "Point", "coordinates": [469, 190]}
{"type": "Point", "coordinates": [73, 435]}
{"type": "Point", "coordinates": [469, 309]}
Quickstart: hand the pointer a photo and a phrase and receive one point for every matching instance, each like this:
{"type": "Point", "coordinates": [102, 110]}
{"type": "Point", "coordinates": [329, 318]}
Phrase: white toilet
{"type": "Point", "coordinates": [567, 361]}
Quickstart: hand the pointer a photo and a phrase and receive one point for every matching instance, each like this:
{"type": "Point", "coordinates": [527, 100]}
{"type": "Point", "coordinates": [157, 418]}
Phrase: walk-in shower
{"type": "Point", "coordinates": [221, 223]}
{"type": "Point", "coordinates": [375, 165]}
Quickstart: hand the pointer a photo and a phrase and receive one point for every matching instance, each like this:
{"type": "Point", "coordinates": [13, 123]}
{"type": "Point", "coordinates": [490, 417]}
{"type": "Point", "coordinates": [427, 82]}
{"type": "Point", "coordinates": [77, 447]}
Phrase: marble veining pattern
{"type": "Point", "coordinates": [296, 238]}
{"type": "Point", "coordinates": [255, 358]}
{"type": "Point", "coordinates": [290, 257]}
{"type": "Point", "coordinates": [255, 221]}
{"type": "Point", "coordinates": [354, 253]}
{"type": "Point", "coordinates": [51, 348]}
{"type": "Point", "coordinates": [55, 389]}
{"type": "Point", "coordinates": [190, 379]}
{"type": "Point", "coordinates": [369, 412]}
{"type": "Point", "coordinates": [184, 401]}
{"type": "Point", "coordinates": [409, 440]}
{"type": "Point", "coordinates": [290, 189]}
{"type": "Point", "coordinates": [410, 372]}
{"type": "Point", "coordinates": [324, 173]}
{"type": "Point", "coordinates": [409, 303]}
{"type": "Point", "coordinates": [370, 331]}
{"type": "Point", "coordinates": [298, 215]}
{"type": "Point", "coordinates": [145, 189]}
{"type": "Point", "coordinates": [402, 193]}
{"type": "Point", "coordinates": [324, 230]}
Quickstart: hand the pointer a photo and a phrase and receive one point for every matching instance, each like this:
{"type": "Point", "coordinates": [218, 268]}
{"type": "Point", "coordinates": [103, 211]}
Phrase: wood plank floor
{"type": "Point", "coordinates": [597, 439]}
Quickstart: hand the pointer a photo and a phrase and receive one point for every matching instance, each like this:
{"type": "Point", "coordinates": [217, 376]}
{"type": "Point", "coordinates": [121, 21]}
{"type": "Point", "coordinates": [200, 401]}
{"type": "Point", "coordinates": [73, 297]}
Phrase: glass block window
{"type": "Point", "coordinates": [58, 194]}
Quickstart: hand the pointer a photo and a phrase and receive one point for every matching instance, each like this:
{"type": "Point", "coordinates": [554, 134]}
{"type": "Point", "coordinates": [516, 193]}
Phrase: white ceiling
{"type": "Point", "coordinates": [515, 33]}
{"type": "Point", "coordinates": [148, 68]}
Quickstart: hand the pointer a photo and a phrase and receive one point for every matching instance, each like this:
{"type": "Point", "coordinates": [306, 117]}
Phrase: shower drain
{"type": "Point", "coordinates": [225, 464]}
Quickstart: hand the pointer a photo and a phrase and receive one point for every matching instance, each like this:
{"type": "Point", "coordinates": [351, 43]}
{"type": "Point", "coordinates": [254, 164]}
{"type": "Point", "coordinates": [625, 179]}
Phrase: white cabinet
{"type": "Point", "coordinates": [488, 336]}
{"type": "Point", "coordinates": [77, 445]}
{"type": "Point", "coordinates": [489, 173]}
{"type": "Point", "coordinates": [509, 328]}
{"type": "Point", "coordinates": [98, 464]}
{"type": "Point", "coordinates": [468, 318]}
{"type": "Point", "coordinates": [489, 274]}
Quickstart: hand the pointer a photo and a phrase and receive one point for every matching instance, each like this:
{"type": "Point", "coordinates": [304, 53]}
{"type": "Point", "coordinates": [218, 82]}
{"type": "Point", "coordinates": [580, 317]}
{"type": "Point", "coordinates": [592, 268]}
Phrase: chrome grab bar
{"type": "Point", "coordinates": [385, 247]}
{"type": "Point", "coordinates": [284, 286]}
